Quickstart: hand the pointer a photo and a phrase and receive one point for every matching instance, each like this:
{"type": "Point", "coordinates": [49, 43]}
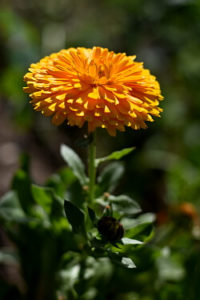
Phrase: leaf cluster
{"type": "Point", "coordinates": [62, 229]}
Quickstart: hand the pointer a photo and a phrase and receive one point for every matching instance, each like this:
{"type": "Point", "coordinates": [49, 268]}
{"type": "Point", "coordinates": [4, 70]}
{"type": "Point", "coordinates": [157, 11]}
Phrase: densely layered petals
{"type": "Point", "coordinates": [96, 86]}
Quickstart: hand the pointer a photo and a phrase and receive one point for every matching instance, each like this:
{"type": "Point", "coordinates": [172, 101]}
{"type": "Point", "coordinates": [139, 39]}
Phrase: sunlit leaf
{"type": "Point", "coordinates": [69, 275]}
{"type": "Point", "coordinates": [122, 261]}
{"type": "Point", "coordinates": [127, 241]}
{"type": "Point", "coordinates": [42, 196]}
{"type": "Point", "coordinates": [114, 156]}
{"type": "Point", "coordinates": [128, 263]}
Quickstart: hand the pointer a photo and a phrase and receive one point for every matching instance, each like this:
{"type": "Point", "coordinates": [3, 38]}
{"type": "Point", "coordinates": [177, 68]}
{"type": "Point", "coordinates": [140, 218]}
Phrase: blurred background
{"type": "Point", "coordinates": [163, 173]}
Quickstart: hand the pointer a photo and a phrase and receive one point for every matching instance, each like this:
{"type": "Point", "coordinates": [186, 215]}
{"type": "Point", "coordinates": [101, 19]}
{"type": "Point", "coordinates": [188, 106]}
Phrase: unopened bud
{"type": "Point", "coordinates": [110, 229]}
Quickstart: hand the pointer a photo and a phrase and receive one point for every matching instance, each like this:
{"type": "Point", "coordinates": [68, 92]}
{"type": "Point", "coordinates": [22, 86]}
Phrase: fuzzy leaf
{"type": "Point", "coordinates": [75, 163]}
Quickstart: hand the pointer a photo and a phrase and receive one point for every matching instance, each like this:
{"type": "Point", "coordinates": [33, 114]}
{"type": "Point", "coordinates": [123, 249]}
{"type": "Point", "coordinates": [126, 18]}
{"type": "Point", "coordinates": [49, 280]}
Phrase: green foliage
{"type": "Point", "coordinates": [43, 197]}
{"type": "Point", "coordinates": [22, 185]}
{"type": "Point", "coordinates": [114, 156]}
{"type": "Point", "coordinates": [75, 163]}
{"type": "Point", "coordinates": [123, 204]}
{"type": "Point", "coordinates": [109, 178]}
{"type": "Point", "coordinates": [65, 245]}
{"type": "Point", "coordinates": [122, 261]}
{"type": "Point", "coordinates": [10, 208]}
{"type": "Point", "coordinates": [75, 217]}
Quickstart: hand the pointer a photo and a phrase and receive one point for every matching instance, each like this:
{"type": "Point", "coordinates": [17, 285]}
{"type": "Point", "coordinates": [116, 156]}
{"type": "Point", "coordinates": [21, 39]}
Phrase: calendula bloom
{"type": "Point", "coordinates": [96, 86]}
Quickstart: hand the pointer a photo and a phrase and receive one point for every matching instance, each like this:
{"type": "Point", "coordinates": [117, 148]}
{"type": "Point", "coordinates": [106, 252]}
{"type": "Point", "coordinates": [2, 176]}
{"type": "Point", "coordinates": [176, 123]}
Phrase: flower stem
{"type": "Point", "coordinates": [92, 167]}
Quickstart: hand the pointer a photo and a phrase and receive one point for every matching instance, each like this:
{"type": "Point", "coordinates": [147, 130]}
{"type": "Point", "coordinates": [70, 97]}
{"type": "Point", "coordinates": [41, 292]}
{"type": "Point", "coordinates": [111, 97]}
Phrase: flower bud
{"type": "Point", "coordinates": [110, 229]}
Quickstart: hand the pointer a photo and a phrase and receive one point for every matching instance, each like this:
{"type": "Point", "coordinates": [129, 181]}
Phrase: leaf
{"type": "Point", "coordinates": [129, 223]}
{"type": "Point", "coordinates": [127, 241]}
{"type": "Point", "coordinates": [143, 232]}
{"type": "Point", "coordinates": [61, 181]}
{"type": "Point", "coordinates": [75, 217]}
{"type": "Point", "coordinates": [124, 204]}
{"type": "Point", "coordinates": [10, 208]}
{"type": "Point", "coordinates": [121, 260]}
{"type": "Point", "coordinates": [75, 163]}
{"type": "Point", "coordinates": [69, 275]}
{"type": "Point", "coordinates": [125, 246]}
{"type": "Point", "coordinates": [22, 185]}
{"type": "Point", "coordinates": [75, 194]}
{"type": "Point", "coordinates": [169, 266]}
{"type": "Point", "coordinates": [92, 215]}
{"type": "Point", "coordinates": [110, 177]}
{"type": "Point", "coordinates": [128, 263]}
{"type": "Point", "coordinates": [42, 196]}
{"type": "Point", "coordinates": [115, 155]}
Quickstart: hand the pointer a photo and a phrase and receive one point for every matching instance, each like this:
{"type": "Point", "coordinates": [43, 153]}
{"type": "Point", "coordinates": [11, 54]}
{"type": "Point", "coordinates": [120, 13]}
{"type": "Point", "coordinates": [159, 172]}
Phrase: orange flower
{"type": "Point", "coordinates": [95, 85]}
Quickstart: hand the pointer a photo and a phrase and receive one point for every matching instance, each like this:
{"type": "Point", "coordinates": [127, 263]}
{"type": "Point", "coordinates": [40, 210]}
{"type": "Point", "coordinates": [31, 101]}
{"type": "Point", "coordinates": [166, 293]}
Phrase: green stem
{"type": "Point", "coordinates": [92, 167]}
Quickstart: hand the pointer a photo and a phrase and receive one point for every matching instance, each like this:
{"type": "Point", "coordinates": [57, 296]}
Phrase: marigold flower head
{"type": "Point", "coordinates": [95, 85]}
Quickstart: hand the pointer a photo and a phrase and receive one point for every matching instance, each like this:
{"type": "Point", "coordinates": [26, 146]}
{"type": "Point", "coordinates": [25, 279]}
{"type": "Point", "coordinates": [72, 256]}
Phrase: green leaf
{"type": "Point", "coordinates": [128, 263]}
{"type": "Point", "coordinates": [10, 208]}
{"type": "Point", "coordinates": [75, 217]}
{"type": "Point", "coordinates": [143, 232]}
{"type": "Point", "coordinates": [122, 261]}
{"type": "Point", "coordinates": [127, 241]}
{"type": "Point", "coordinates": [75, 163]}
{"type": "Point", "coordinates": [61, 181]}
{"type": "Point", "coordinates": [125, 246]}
{"type": "Point", "coordinates": [109, 177]}
{"type": "Point", "coordinates": [124, 204]}
{"type": "Point", "coordinates": [169, 266]}
{"type": "Point", "coordinates": [69, 275]}
{"type": "Point", "coordinates": [75, 194]}
{"type": "Point", "coordinates": [42, 196]}
{"type": "Point", "coordinates": [115, 155]}
{"type": "Point", "coordinates": [22, 185]}
{"type": "Point", "coordinates": [129, 223]}
{"type": "Point", "coordinates": [92, 215]}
